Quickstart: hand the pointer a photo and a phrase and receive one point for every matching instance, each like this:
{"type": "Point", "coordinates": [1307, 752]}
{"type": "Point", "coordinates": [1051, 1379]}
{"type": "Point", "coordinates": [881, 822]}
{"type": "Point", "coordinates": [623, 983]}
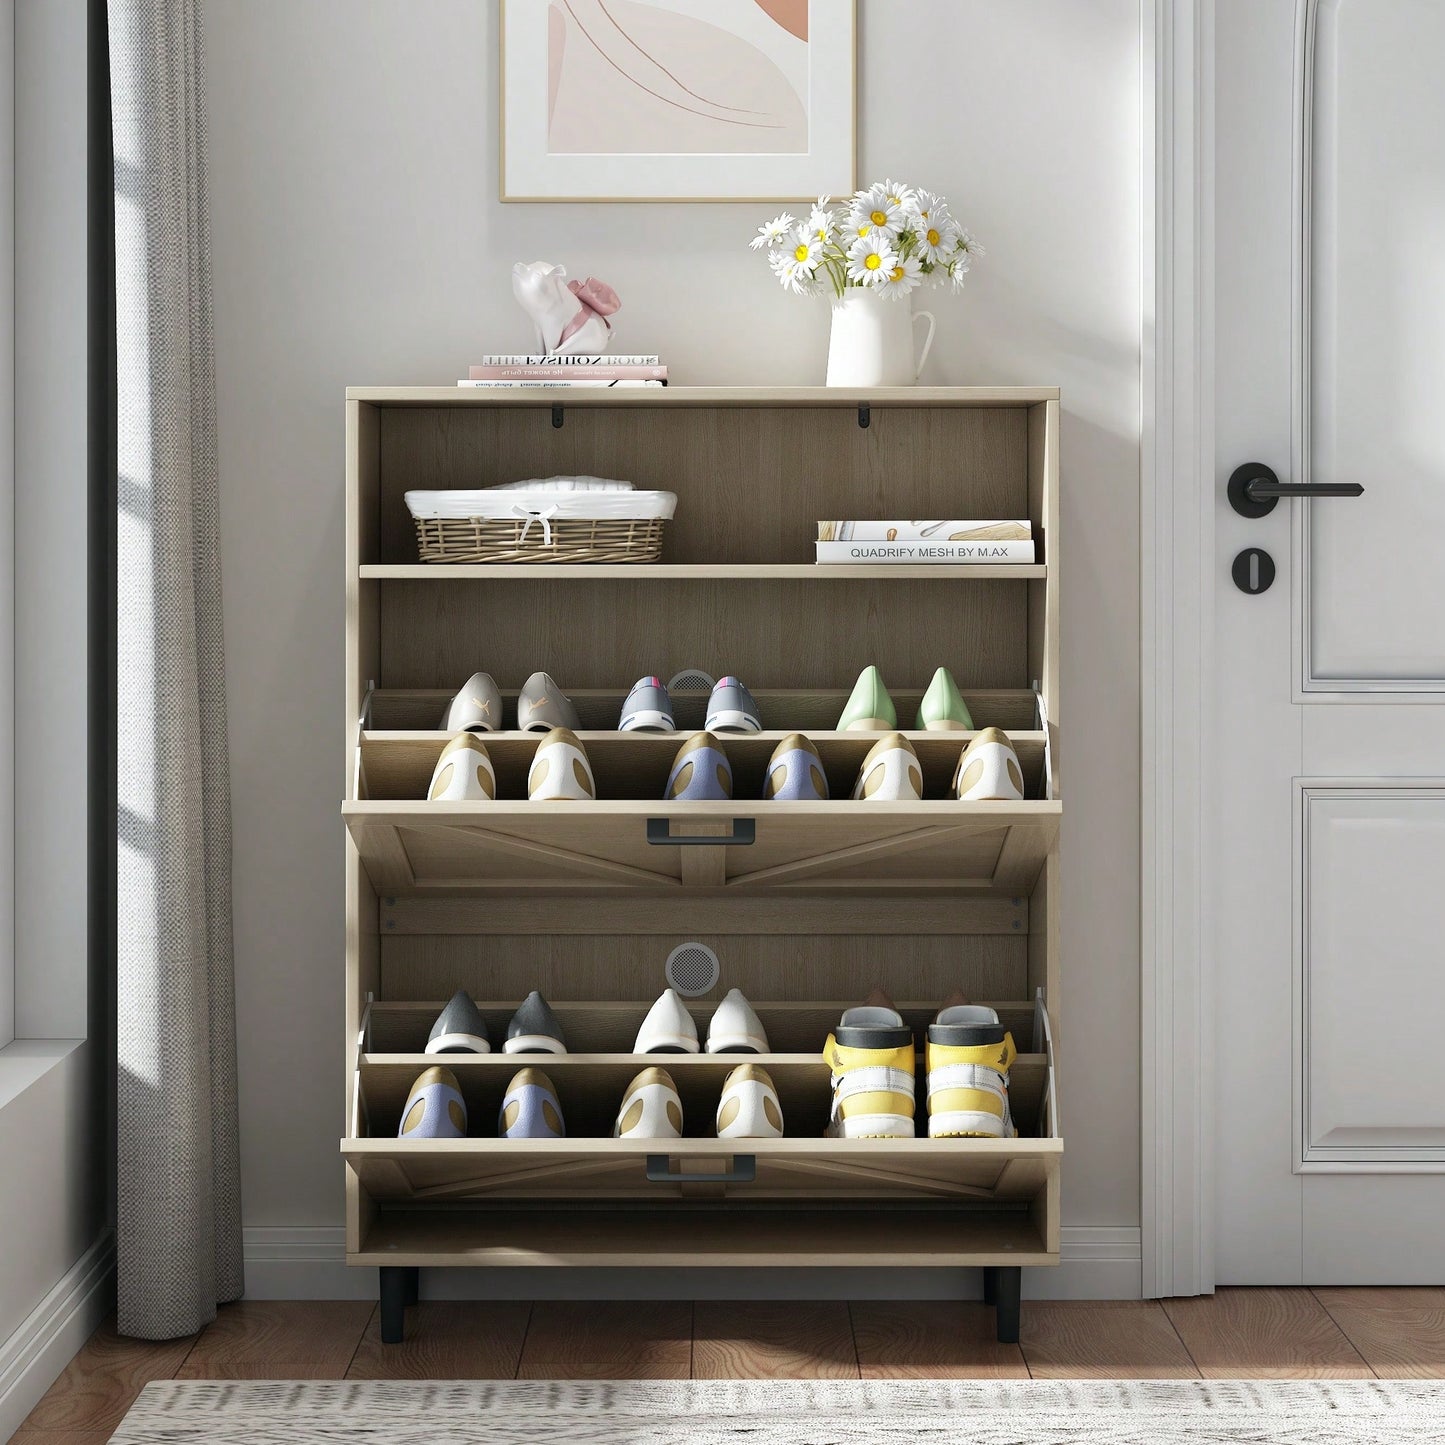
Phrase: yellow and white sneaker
{"type": "Point", "coordinates": [651, 1108]}
{"type": "Point", "coordinates": [871, 1055]}
{"type": "Point", "coordinates": [560, 770]}
{"type": "Point", "coordinates": [463, 773]}
{"type": "Point", "coordinates": [749, 1107]}
{"type": "Point", "coordinates": [890, 773]}
{"type": "Point", "coordinates": [989, 769]}
{"type": "Point", "coordinates": [968, 1056]}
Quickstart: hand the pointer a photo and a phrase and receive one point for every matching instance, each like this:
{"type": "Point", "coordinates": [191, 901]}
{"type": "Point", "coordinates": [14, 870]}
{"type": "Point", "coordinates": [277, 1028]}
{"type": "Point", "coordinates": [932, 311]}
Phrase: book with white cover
{"type": "Point", "coordinates": [564, 383]}
{"type": "Point", "coordinates": [919, 551]}
{"type": "Point", "coordinates": [943, 531]}
{"type": "Point", "coordinates": [606, 358]}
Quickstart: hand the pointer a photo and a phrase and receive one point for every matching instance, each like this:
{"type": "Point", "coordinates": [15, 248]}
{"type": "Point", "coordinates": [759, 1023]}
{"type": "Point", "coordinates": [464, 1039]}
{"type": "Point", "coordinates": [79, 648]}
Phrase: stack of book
{"type": "Point", "coordinates": [950, 543]}
{"type": "Point", "coordinates": [567, 371]}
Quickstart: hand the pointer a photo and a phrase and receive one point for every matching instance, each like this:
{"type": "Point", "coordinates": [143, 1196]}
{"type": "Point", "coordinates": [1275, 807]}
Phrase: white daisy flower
{"type": "Point", "coordinates": [804, 251]}
{"type": "Point", "coordinates": [935, 237]}
{"type": "Point", "coordinates": [791, 274]}
{"type": "Point", "coordinates": [966, 241]}
{"type": "Point", "coordinates": [853, 227]}
{"type": "Point", "coordinates": [772, 233]}
{"type": "Point", "coordinates": [902, 196]}
{"type": "Point", "coordinates": [821, 220]}
{"type": "Point", "coordinates": [870, 259]}
{"type": "Point", "coordinates": [878, 209]}
{"type": "Point", "coordinates": [905, 276]}
{"type": "Point", "coordinates": [958, 269]}
{"type": "Point", "coordinates": [929, 207]}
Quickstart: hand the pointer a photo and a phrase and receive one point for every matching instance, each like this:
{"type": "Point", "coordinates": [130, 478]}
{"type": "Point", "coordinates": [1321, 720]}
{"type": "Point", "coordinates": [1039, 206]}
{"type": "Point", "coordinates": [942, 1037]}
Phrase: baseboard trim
{"type": "Point", "coordinates": [49, 1336]}
{"type": "Point", "coordinates": [309, 1262]}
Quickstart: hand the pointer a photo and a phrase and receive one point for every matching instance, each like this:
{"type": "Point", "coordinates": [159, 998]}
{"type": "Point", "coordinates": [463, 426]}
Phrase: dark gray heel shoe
{"type": "Point", "coordinates": [459, 1029]}
{"type": "Point", "coordinates": [534, 1029]}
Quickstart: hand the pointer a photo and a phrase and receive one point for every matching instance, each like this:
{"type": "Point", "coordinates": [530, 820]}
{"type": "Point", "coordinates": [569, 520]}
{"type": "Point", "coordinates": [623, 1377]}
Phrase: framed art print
{"type": "Point", "coordinates": [677, 100]}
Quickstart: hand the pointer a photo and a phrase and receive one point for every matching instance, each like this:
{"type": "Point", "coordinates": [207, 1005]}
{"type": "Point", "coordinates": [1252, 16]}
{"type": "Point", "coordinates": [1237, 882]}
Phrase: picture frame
{"type": "Point", "coordinates": [753, 100]}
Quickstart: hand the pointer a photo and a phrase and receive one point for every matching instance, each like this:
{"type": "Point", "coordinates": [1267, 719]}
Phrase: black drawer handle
{"type": "Point", "coordinates": [745, 1171]}
{"type": "Point", "coordinates": [745, 831]}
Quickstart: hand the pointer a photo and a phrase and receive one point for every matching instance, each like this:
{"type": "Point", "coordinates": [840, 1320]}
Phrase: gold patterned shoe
{"type": "Point", "coordinates": [651, 1108]}
{"type": "Point", "coordinates": [795, 772]}
{"type": "Point", "coordinates": [530, 1109]}
{"type": "Point", "coordinates": [989, 770]}
{"type": "Point", "coordinates": [560, 770]}
{"type": "Point", "coordinates": [890, 773]}
{"type": "Point", "coordinates": [749, 1106]}
{"type": "Point", "coordinates": [463, 773]}
{"type": "Point", "coordinates": [434, 1108]}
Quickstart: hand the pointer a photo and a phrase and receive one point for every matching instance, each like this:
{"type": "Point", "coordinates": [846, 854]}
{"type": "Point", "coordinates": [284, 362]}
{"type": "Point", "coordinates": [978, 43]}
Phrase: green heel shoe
{"type": "Point", "coordinates": [869, 709]}
{"type": "Point", "coordinates": [943, 709]}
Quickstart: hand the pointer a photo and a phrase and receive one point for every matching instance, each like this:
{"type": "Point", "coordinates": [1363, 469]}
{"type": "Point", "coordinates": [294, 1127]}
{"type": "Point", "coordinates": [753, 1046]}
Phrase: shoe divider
{"type": "Point", "coordinates": [610, 1027]}
{"type": "Point", "coordinates": [635, 765]}
{"type": "Point", "coordinates": [783, 710]}
{"type": "Point", "coordinates": [590, 1088]}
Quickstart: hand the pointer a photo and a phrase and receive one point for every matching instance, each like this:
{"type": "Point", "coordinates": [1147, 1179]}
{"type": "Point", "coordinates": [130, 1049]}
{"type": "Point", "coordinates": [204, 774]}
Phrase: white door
{"type": "Point", "coordinates": [1329, 755]}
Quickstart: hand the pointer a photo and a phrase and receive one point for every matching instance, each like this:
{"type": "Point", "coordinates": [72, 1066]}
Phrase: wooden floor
{"type": "Point", "coordinates": [1259, 1333]}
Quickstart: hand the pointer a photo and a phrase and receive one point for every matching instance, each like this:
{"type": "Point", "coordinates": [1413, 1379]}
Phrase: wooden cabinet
{"type": "Point", "coordinates": [807, 905]}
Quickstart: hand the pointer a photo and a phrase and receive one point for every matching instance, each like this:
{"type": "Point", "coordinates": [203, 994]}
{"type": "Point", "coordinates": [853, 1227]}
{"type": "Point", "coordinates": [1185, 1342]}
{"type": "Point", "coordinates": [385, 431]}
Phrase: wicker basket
{"type": "Point", "coordinates": [568, 539]}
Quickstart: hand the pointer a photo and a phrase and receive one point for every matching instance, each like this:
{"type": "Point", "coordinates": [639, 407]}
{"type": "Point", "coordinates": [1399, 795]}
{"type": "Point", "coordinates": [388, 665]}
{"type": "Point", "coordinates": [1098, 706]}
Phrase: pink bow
{"type": "Point", "coordinates": [598, 299]}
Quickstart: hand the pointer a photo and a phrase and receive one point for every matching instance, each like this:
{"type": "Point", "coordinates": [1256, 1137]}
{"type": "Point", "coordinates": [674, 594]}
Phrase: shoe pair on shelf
{"type": "Point", "coordinates": [748, 1107]}
{"type": "Point", "coordinates": [560, 771]}
{"type": "Point", "coordinates": [730, 708]}
{"type": "Point", "coordinates": [435, 1108]}
{"type": "Point", "coordinates": [541, 706]}
{"type": "Point", "coordinates": [967, 1057]}
{"type": "Point", "coordinates": [987, 770]}
{"type": "Point", "coordinates": [461, 1029]}
{"type": "Point", "coordinates": [870, 709]}
{"type": "Point", "coordinates": [670, 1029]}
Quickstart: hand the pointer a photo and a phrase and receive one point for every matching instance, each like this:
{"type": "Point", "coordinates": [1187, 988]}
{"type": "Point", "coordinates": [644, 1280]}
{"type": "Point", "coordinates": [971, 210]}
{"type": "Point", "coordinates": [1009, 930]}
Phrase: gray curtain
{"type": "Point", "coordinates": [178, 1204]}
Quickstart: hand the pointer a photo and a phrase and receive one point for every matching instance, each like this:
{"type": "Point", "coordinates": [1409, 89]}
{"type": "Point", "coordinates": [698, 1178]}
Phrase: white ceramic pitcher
{"type": "Point", "coordinates": [872, 340]}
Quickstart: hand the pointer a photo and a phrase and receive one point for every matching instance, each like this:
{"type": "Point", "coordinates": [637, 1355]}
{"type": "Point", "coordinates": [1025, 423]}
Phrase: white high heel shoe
{"type": "Point", "coordinates": [651, 1108]}
{"type": "Point", "coordinates": [749, 1106]}
{"type": "Point", "coordinates": [989, 769]}
{"type": "Point", "coordinates": [890, 772]}
{"type": "Point", "coordinates": [560, 770]}
{"type": "Point", "coordinates": [463, 773]}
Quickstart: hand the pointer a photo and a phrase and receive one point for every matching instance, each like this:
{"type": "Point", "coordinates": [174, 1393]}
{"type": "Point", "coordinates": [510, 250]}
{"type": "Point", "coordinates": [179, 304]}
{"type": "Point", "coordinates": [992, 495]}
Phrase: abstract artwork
{"type": "Point", "coordinates": [677, 100]}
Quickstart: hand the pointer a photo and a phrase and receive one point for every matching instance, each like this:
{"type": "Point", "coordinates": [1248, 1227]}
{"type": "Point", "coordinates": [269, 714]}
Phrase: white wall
{"type": "Point", "coordinates": [358, 239]}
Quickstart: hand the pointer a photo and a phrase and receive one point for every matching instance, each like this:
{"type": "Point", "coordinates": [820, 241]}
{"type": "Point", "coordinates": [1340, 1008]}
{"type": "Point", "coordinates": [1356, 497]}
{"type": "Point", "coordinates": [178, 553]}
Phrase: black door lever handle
{"type": "Point", "coordinates": [1254, 489]}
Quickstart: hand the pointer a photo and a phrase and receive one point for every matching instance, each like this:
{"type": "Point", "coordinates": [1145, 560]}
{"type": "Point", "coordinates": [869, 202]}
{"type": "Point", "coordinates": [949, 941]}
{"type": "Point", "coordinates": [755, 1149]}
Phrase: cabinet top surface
{"type": "Point", "coordinates": [838, 396]}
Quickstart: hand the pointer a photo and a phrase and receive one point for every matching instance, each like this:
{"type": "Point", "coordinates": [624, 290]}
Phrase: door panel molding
{"type": "Point", "coordinates": [1331, 1136]}
{"type": "Point", "coordinates": [1308, 687]}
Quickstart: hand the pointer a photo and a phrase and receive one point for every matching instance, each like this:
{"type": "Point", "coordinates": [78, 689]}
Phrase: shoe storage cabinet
{"type": "Point", "coordinates": [807, 905]}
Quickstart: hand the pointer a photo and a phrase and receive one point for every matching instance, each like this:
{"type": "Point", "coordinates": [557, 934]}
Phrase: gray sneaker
{"type": "Point", "coordinates": [648, 708]}
{"type": "Point", "coordinates": [459, 1028]}
{"type": "Point", "coordinates": [731, 709]}
{"type": "Point", "coordinates": [535, 1029]}
{"type": "Point", "coordinates": [542, 706]}
{"type": "Point", "coordinates": [477, 708]}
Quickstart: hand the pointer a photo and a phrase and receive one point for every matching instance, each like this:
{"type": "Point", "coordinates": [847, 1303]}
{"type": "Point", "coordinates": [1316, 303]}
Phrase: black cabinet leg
{"type": "Point", "coordinates": [413, 1284]}
{"type": "Point", "coordinates": [990, 1284]}
{"type": "Point", "coordinates": [1008, 1281]}
{"type": "Point", "coordinates": [394, 1286]}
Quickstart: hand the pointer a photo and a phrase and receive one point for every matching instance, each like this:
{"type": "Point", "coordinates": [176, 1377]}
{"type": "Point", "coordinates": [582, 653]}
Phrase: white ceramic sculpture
{"type": "Point", "coordinates": [570, 316]}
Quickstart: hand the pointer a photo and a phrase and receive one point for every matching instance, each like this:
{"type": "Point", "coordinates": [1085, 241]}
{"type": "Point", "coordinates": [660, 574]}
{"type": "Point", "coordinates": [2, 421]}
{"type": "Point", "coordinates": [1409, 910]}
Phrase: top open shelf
{"type": "Point", "coordinates": [754, 470]}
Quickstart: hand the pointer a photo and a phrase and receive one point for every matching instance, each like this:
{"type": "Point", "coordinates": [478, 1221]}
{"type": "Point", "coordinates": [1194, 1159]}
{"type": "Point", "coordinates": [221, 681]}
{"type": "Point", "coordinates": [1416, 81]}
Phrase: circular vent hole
{"type": "Point", "coordinates": [692, 679]}
{"type": "Point", "coordinates": [692, 969]}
